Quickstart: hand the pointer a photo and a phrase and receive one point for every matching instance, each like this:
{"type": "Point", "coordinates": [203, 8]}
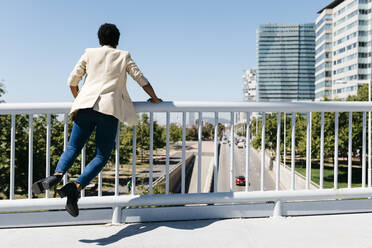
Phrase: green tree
{"type": "Point", "coordinates": [329, 135]}
{"type": "Point", "coordinates": [143, 135]}
{"type": "Point", "coordinates": [329, 131]}
{"type": "Point", "coordinates": [2, 89]}
{"type": "Point", "coordinates": [221, 129]}
{"type": "Point", "coordinates": [159, 135]}
{"type": "Point", "coordinates": [175, 132]}
{"type": "Point", "coordinates": [21, 154]}
{"type": "Point", "coordinates": [192, 133]}
{"type": "Point", "coordinates": [126, 142]}
{"type": "Point", "coordinates": [207, 131]}
{"type": "Point", "coordinates": [21, 150]}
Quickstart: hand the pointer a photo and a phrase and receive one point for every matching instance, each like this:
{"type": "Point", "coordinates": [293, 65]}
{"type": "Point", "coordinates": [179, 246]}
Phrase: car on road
{"type": "Point", "coordinates": [241, 144]}
{"type": "Point", "coordinates": [240, 180]}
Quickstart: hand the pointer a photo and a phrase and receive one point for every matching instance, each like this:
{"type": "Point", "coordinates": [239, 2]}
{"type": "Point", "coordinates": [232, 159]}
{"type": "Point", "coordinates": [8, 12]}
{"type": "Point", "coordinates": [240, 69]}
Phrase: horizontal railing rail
{"type": "Point", "coordinates": [188, 199]}
{"type": "Point", "coordinates": [178, 106]}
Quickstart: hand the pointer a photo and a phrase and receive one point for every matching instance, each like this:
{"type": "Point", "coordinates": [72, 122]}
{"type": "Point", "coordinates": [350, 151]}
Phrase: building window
{"type": "Point", "coordinates": [364, 11]}
{"type": "Point", "coordinates": [362, 76]}
{"type": "Point", "coordinates": [364, 66]}
{"type": "Point", "coordinates": [364, 55]}
{"type": "Point", "coordinates": [363, 44]}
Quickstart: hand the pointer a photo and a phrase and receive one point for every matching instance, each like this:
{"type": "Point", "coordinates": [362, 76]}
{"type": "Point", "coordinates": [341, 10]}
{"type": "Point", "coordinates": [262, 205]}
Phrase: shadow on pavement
{"type": "Point", "coordinates": [135, 229]}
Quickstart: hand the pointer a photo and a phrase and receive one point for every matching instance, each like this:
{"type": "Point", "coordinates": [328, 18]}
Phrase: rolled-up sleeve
{"type": "Point", "coordinates": [79, 71]}
{"type": "Point", "coordinates": [135, 72]}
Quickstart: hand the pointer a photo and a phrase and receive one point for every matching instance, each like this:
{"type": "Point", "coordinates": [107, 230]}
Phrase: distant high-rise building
{"type": "Point", "coordinates": [343, 48]}
{"type": "Point", "coordinates": [285, 62]}
{"type": "Point", "coordinates": [249, 91]}
{"type": "Point", "coordinates": [249, 85]}
{"type": "Point", "coordinates": [191, 119]}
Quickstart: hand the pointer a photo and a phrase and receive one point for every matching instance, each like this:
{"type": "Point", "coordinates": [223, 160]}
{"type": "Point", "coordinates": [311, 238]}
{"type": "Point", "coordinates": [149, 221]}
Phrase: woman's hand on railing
{"type": "Point", "coordinates": [155, 100]}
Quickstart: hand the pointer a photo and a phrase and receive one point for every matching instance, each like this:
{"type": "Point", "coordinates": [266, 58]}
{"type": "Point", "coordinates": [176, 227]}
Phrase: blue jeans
{"type": "Point", "coordinates": [85, 122]}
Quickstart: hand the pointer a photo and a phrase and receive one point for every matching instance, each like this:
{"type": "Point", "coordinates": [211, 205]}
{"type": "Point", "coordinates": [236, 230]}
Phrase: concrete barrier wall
{"type": "Point", "coordinates": [209, 178]}
{"type": "Point", "coordinates": [206, 174]}
{"type": "Point", "coordinates": [285, 175]}
{"type": "Point", "coordinates": [176, 173]}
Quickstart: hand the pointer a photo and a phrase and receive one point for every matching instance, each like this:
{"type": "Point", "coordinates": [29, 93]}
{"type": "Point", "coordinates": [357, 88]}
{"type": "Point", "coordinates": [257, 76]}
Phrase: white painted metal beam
{"type": "Point", "coordinates": [64, 107]}
{"type": "Point", "coordinates": [186, 199]}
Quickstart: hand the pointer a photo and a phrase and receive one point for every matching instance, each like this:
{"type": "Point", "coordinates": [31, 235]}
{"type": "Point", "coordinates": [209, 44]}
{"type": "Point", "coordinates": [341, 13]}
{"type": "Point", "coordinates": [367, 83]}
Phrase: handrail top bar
{"type": "Point", "coordinates": [181, 199]}
{"type": "Point", "coordinates": [178, 106]}
{"type": "Point", "coordinates": [35, 108]}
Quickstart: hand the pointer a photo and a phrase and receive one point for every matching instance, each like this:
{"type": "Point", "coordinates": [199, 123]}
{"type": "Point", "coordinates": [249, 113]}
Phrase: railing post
{"type": "Point", "coordinates": [308, 150]}
{"type": "Point", "coordinates": [12, 157]}
{"type": "Point", "coordinates": [321, 150]}
{"type": "Point", "coordinates": [134, 150]}
{"type": "Point", "coordinates": [200, 126]}
{"type": "Point", "coordinates": [277, 209]}
{"type": "Point", "coordinates": [263, 151]}
{"type": "Point", "coordinates": [167, 153]}
{"type": "Point", "coordinates": [215, 167]}
{"type": "Point", "coordinates": [47, 166]}
{"type": "Point", "coordinates": [183, 173]}
{"type": "Point", "coordinates": [285, 139]}
{"type": "Point", "coordinates": [277, 181]}
{"type": "Point", "coordinates": [293, 151]}
{"type": "Point", "coordinates": [364, 150]}
{"type": "Point", "coordinates": [100, 184]}
{"type": "Point", "coordinates": [369, 139]}
{"type": "Point", "coordinates": [151, 159]}
{"type": "Point", "coordinates": [65, 130]}
{"type": "Point", "coordinates": [335, 175]}
{"type": "Point", "coordinates": [232, 157]}
{"type": "Point", "coordinates": [369, 149]}
{"type": "Point", "coordinates": [117, 160]}
{"type": "Point", "coordinates": [247, 151]}
{"type": "Point", "coordinates": [83, 163]}
{"type": "Point", "coordinates": [350, 163]}
{"type": "Point", "coordinates": [30, 154]}
{"type": "Point", "coordinates": [116, 215]}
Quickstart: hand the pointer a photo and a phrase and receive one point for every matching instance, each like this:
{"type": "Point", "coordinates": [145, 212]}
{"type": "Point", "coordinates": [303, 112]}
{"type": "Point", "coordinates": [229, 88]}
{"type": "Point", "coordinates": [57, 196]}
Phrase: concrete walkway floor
{"type": "Point", "coordinates": [352, 230]}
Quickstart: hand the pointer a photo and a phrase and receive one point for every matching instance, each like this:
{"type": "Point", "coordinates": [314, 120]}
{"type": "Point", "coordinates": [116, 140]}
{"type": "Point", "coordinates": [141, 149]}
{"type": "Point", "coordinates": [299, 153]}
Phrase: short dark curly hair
{"type": "Point", "coordinates": [108, 34]}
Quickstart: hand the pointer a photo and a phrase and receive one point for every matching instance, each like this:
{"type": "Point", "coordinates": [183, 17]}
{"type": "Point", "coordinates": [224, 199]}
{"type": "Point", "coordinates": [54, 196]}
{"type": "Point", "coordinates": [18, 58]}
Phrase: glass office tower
{"type": "Point", "coordinates": [286, 62]}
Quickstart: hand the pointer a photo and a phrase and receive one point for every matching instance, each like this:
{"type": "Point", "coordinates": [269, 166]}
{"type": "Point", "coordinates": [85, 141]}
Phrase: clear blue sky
{"type": "Point", "coordinates": [189, 50]}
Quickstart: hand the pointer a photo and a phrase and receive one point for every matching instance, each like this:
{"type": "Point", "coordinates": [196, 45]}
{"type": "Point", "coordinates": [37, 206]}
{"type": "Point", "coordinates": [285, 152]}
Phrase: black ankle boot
{"type": "Point", "coordinates": [73, 195]}
{"type": "Point", "coordinates": [45, 183]}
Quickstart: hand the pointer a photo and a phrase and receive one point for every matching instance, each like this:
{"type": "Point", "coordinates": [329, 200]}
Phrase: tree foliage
{"type": "Point", "coordinates": [143, 135]}
{"type": "Point", "coordinates": [175, 132]}
{"type": "Point", "coordinates": [207, 131]}
{"type": "Point", "coordinates": [2, 90]}
{"type": "Point", "coordinates": [329, 131]}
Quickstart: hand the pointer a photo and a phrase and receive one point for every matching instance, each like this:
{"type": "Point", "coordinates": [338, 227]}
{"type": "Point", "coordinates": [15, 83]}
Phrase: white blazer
{"type": "Point", "coordinates": [104, 87]}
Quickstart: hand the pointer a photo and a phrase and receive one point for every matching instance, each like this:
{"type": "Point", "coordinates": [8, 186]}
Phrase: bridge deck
{"type": "Point", "coordinates": [351, 230]}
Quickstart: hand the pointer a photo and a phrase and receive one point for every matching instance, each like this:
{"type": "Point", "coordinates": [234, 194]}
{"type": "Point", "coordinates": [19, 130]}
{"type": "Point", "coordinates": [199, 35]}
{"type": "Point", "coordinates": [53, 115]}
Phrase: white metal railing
{"type": "Point", "coordinates": [278, 195]}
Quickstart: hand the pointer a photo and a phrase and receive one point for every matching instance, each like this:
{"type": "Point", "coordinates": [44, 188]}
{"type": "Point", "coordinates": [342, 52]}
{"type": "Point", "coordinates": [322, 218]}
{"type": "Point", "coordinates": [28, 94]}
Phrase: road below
{"type": "Point", "coordinates": [239, 170]}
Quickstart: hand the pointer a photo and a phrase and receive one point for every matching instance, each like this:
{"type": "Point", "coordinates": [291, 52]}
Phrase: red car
{"type": "Point", "coordinates": [240, 180]}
